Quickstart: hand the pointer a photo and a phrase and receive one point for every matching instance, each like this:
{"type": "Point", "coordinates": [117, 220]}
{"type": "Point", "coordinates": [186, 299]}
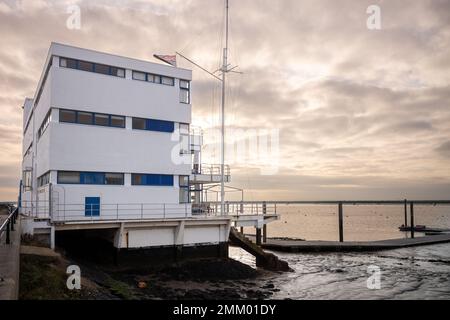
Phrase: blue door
{"type": "Point", "coordinates": [92, 206]}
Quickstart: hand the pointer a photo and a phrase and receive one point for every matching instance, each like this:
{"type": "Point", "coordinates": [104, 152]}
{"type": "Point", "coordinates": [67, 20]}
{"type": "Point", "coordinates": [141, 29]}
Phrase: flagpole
{"type": "Point", "coordinates": [224, 72]}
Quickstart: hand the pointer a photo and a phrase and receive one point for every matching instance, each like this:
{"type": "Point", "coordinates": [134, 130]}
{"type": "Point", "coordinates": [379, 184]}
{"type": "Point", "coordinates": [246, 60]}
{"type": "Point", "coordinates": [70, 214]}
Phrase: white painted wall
{"type": "Point", "coordinates": [75, 147]}
{"type": "Point", "coordinates": [92, 148]}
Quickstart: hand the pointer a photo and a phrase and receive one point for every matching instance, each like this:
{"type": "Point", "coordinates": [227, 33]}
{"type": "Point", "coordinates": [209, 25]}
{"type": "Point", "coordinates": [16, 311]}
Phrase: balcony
{"type": "Point", "coordinates": [209, 173]}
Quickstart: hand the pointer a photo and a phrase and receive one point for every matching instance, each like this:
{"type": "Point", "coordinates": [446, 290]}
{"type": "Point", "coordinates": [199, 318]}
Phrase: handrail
{"type": "Point", "coordinates": [8, 224]}
{"type": "Point", "coordinates": [211, 169]}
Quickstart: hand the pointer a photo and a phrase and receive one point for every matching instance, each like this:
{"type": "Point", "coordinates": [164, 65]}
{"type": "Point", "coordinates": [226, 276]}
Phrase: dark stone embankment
{"type": "Point", "coordinates": [224, 279]}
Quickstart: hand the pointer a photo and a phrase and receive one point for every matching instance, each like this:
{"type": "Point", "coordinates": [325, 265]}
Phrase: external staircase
{"type": "Point", "coordinates": [264, 259]}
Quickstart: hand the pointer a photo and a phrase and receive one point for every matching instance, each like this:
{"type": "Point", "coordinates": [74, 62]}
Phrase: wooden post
{"type": "Point", "coordinates": [341, 223]}
{"type": "Point", "coordinates": [242, 230]}
{"type": "Point", "coordinates": [265, 233]}
{"type": "Point", "coordinates": [412, 219]}
{"type": "Point", "coordinates": [258, 236]}
{"type": "Point", "coordinates": [406, 213]}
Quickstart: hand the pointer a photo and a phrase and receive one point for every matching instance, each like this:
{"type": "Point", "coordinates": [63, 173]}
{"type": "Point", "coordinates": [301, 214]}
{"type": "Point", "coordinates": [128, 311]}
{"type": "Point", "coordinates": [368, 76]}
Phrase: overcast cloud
{"type": "Point", "coordinates": [361, 113]}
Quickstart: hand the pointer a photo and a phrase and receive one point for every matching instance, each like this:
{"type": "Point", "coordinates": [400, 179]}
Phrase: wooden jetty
{"type": "Point", "coordinates": [285, 245]}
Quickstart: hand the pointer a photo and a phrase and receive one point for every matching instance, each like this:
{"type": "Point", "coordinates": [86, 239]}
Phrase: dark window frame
{"type": "Point", "coordinates": [110, 116]}
{"type": "Point", "coordinates": [112, 70]}
{"type": "Point", "coordinates": [84, 176]}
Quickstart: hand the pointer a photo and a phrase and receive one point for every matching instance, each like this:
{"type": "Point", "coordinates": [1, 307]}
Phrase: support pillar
{"type": "Point", "coordinates": [258, 236]}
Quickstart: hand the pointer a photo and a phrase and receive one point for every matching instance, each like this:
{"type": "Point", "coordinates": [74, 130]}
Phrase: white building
{"type": "Point", "coordinates": [107, 145]}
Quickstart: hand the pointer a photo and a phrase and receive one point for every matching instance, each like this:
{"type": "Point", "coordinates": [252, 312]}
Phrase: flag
{"type": "Point", "coordinates": [172, 60]}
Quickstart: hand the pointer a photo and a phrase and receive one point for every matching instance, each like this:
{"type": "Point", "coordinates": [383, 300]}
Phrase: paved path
{"type": "Point", "coordinates": [9, 265]}
{"type": "Point", "coordinates": [351, 246]}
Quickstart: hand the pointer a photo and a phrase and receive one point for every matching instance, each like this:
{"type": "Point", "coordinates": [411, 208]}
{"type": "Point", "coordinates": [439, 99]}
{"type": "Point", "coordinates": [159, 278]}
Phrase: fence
{"type": "Point", "coordinates": [8, 225]}
{"type": "Point", "coordinates": [272, 207]}
{"type": "Point", "coordinates": [211, 169]}
{"type": "Point", "coordinates": [62, 212]}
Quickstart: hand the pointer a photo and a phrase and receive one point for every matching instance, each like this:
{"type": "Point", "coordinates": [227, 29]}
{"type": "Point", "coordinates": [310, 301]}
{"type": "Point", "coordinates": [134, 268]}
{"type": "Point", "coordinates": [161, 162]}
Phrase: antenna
{"type": "Point", "coordinates": [224, 69]}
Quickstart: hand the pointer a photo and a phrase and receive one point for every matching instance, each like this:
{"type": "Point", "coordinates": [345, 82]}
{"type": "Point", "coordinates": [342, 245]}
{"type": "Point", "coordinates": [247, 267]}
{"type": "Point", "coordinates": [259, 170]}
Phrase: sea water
{"type": "Point", "coordinates": [409, 273]}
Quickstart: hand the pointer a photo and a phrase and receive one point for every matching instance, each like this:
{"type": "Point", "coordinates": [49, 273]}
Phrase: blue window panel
{"type": "Point", "coordinates": [160, 125]}
{"type": "Point", "coordinates": [152, 180]}
{"type": "Point", "coordinates": [92, 178]}
{"type": "Point", "coordinates": [92, 206]}
{"type": "Point", "coordinates": [166, 180]}
{"type": "Point", "coordinates": [157, 180]}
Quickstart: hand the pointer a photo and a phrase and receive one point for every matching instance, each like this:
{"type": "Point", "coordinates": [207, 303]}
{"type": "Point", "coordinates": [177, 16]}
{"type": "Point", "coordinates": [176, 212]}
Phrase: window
{"type": "Point", "coordinates": [85, 66]}
{"type": "Point", "coordinates": [101, 119]}
{"type": "Point", "coordinates": [185, 92]}
{"type": "Point", "coordinates": [44, 179]}
{"type": "Point", "coordinates": [103, 69]}
{"type": "Point", "coordinates": [153, 125]}
{"type": "Point", "coordinates": [91, 67]}
{"type": "Point", "coordinates": [184, 189]}
{"type": "Point", "coordinates": [167, 81]}
{"type": "Point", "coordinates": [151, 180]}
{"type": "Point", "coordinates": [90, 178]}
{"type": "Point", "coordinates": [139, 75]}
{"type": "Point", "coordinates": [85, 118]}
{"type": "Point", "coordinates": [118, 72]}
{"type": "Point", "coordinates": [114, 178]}
{"type": "Point", "coordinates": [67, 116]}
{"type": "Point", "coordinates": [139, 124]}
{"type": "Point", "coordinates": [89, 118]}
{"type": "Point", "coordinates": [117, 121]}
{"type": "Point", "coordinates": [66, 177]}
{"type": "Point", "coordinates": [68, 63]}
{"type": "Point", "coordinates": [185, 142]}
{"type": "Point", "coordinates": [45, 124]}
{"type": "Point", "coordinates": [27, 179]}
{"type": "Point", "coordinates": [153, 78]}
{"type": "Point", "coordinates": [160, 125]}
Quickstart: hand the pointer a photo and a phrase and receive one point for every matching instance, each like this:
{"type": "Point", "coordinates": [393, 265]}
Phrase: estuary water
{"type": "Point", "coordinates": [410, 273]}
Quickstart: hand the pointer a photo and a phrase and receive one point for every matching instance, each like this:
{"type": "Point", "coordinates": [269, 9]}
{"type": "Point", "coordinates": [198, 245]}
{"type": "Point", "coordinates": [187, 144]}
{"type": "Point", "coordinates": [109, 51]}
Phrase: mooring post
{"type": "Point", "coordinates": [341, 223]}
{"type": "Point", "coordinates": [242, 230]}
{"type": "Point", "coordinates": [406, 213]}
{"type": "Point", "coordinates": [411, 209]}
{"type": "Point", "coordinates": [258, 236]}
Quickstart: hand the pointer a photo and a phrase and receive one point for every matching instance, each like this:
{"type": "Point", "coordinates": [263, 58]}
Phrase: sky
{"type": "Point", "coordinates": [351, 112]}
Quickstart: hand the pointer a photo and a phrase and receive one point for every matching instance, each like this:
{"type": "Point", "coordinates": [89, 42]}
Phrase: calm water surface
{"type": "Point", "coordinates": [410, 273]}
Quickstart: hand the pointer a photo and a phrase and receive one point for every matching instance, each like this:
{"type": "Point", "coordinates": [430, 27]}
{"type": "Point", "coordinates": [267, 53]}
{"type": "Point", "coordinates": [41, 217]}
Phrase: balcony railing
{"type": "Point", "coordinates": [211, 169]}
{"type": "Point", "coordinates": [70, 212]}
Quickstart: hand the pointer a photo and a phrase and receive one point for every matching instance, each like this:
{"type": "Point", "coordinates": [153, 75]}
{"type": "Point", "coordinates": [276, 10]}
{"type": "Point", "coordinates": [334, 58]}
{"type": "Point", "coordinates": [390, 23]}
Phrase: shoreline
{"type": "Point", "coordinates": [44, 277]}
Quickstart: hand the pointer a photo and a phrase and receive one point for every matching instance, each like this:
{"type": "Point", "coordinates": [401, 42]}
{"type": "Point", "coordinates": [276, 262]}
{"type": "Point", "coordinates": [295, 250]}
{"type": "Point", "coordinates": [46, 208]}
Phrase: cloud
{"type": "Point", "coordinates": [444, 149]}
{"type": "Point", "coordinates": [347, 101]}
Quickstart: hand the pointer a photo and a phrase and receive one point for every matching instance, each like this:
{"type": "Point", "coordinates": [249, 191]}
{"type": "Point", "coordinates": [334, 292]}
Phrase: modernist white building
{"type": "Point", "coordinates": [107, 145]}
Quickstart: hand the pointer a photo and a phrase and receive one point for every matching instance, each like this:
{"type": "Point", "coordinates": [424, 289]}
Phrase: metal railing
{"type": "Point", "coordinates": [270, 207]}
{"type": "Point", "coordinates": [211, 169]}
{"type": "Point", "coordinates": [67, 212]}
{"type": "Point", "coordinates": [8, 225]}
{"type": "Point", "coordinates": [243, 208]}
